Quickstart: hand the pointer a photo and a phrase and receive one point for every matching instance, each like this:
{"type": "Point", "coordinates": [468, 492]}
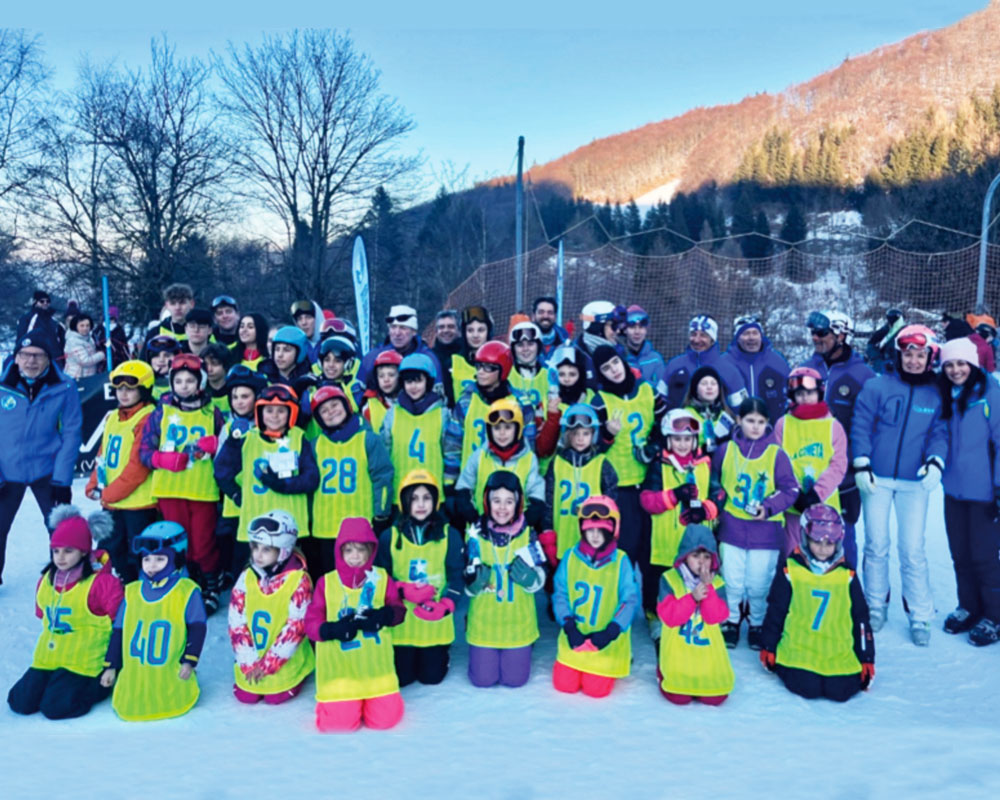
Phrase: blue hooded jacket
{"type": "Point", "coordinates": [649, 363]}
{"type": "Point", "coordinates": [765, 374]}
{"type": "Point", "coordinates": [41, 436]}
{"type": "Point", "coordinates": [844, 379]}
{"type": "Point", "coordinates": [680, 369]}
{"type": "Point", "coordinates": [972, 468]}
{"type": "Point", "coordinates": [898, 426]}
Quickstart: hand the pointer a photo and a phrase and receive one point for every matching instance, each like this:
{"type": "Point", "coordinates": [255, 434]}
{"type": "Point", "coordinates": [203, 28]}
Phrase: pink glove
{"type": "Point", "coordinates": [587, 647]}
{"type": "Point", "coordinates": [432, 611]}
{"type": "Point", "coordinates": [172, 462]}
{"type": "Point", "coordinates": [547, 539]}
{"type": "Point", "coordinates": [208, 445]}
{"type": "Point", "coordinates": [418, 592]}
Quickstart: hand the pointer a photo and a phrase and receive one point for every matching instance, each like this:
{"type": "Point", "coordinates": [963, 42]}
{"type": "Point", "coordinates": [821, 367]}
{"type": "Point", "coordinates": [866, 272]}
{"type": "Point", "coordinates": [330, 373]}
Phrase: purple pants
{"type": "Point", "coordinates": [489, 666]}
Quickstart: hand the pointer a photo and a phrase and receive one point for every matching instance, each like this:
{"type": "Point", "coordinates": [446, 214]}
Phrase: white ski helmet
{"type": "Point", "coordinates": [275, 529]}
{"type": "Point", "coordinates": [680, 421]}
{"type": "Point", "coordinates": [840, 323]}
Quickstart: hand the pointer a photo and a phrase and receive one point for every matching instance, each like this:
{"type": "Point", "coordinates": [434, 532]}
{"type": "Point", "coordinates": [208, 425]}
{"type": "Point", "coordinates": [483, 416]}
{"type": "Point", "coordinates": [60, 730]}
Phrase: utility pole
{"type": "Point", "coordinates": [519, 230]}
{"type": "Point", "coordinates": [983, 244]}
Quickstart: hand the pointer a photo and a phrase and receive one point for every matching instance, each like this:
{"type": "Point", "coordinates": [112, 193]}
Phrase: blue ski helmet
{"type": "Point", "coordinates": [161, 538]}
{"type": "Point", "coordinates": [579, 415]}
{"type": "Point", "coordinates": [419, 362]}
{"type": "Point", "coordinates": [289, 334]}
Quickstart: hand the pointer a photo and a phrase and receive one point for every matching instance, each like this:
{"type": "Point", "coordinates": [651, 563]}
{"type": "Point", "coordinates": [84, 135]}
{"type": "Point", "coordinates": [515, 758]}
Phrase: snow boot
{"type": "Point", "coordinates": [210, 593]}
{"type": "Point", "coordinates": [730, 633]}
{"type": "Point", "coordinates": [755, 637]}
{"type": "Point", "coordinates": [959, 621]}
{"type": "Point", "coordinates": [920, 633]}
{"type": "Point", "coordinates": [985, 632]}
{"type": "Point", "coordinates": [876, 617]}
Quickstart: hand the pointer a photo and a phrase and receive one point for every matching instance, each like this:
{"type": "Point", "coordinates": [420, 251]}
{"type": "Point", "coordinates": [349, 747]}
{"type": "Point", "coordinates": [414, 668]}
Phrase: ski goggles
{"type": "Point", "coordinates": [486, 366]}
{"type": "Point", "coordinates": [263, 525]}
{"type": "Point", "coordinates": [223, 300]}
{"type": "Point", "coordinates": [147, 545]}
{"type": "Point", "coordinates": [819, 323]}
{"type": "Point", "coordinates": [825, 531]}
{"type": "Point", "coordinates": [596, 509]}
{"type": "Point", "coordinates": [914, 341]}
{"type": "Point", "coordinates": [523, 335]}
{"type": "Point", "coordinates": [638, 318]}
{"type": "Point", "coordinates": [130, 381]}
{"type": "Point", "coordinates": [338, 326]}
{"type": "Point", "coordinates": [186, 361]}
{"type": "Point", "coordinates": [499, 415]}
{"type": "Point", "coordinates": [580, 421]}
{"type": "Point", "coordinates": [803, 382]}
{"type": "Point", "coordinates": [684, 425]}
{"type": "Point", "coordinates": [303, 307]}
{"type": "Point", "coordinates": [280, 393]}
{"type": "Point", "coordinates": [163, 344]}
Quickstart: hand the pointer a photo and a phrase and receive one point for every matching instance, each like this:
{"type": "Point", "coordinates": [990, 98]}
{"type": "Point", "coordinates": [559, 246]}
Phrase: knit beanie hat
{"type": "Point", "coordinates": [70, 529]}
{"type": "Point", "coordinates": [963, 349]}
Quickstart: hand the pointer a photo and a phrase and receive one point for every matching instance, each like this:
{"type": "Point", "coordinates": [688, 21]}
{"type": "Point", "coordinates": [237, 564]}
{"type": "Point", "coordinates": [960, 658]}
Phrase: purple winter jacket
{"type": "Point", "coordinates": [753, 534]}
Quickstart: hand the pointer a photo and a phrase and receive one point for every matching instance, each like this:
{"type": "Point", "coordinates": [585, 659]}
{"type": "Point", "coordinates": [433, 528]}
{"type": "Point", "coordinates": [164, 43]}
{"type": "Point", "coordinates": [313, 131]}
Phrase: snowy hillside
{"type": "Point", "coordinates": [928, 728]}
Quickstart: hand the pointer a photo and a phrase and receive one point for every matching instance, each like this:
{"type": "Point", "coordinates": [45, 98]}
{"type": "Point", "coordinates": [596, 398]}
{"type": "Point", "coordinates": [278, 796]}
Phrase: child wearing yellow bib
{"type": "Point", "coordinates": [505, 449]}
{"type": "Point", "coordinates": [119, 480]}
{"type": "Point", "coordinates": [178, 444]}
{"type": "Point", "coordinates": [503, 571]}
{"type": "Point", "coordinates": [76, 599]}
{"type": "Point", "coordinates": [757, 477]}
{"type": "Point", "coordinates": [817, 445]}
{"type": "Point", "coordinates": [356, 476]}
{"type": "Point", "coordinates": [817, 635]}
{"type": "Point", "coordinates": [267, 614]}
{"type": "Point", "coordinates": [595, 598]}
{"type": "Point", "coordinates": [158, 632]}
{"type": "Point", "coordinates": [382, 389]}
{"type": "Point", "coordinates": [337, 366]}
{"type": "Point", "coordinates": [352, 610]}
{"type": "Point", "coordinates": [158, 352]}
{"type": "Point", "coordinates": [693, 658]}
{"type": "Point", "coordinates": [424, 554]}
{"type": "Point", "coordinates": [271, 468]}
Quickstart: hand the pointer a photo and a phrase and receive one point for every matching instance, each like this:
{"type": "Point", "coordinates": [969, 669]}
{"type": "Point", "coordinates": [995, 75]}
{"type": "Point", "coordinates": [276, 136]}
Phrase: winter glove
{"type": "Point", "coordinates": [61, 495]}
{"type": "Point", "coordinates": [767, 660]}
{"type": "Point", "coordinates": [418, 592]}
{"type": "Point", "coordinates": [237, 498]}
{"type": "Point", "coordinates": [172, 462]}
{"type": "Point", "coordinates": [547, 539]}
{"type": "Point", "coordinates": [685, 493]}
{"type": "Point", "coordinates": [693, 516]}
{"type": "Point", "coordinates": [601, 639]}
{"type": "Point", "coordinates": [375, 619]}
{"type": "Point", "coordinates": [380, 524]}
{"type": "Point", "coordinates": [93, 494]}
{"type": "Point", "coordinates": [573, 635]}
{"type": "Point", "coordinates": [522, 574]}
{"type": "Point", "coordinates": [344, 629]}
{"type": "Point", "coordinates": [807, 500]}
{"type": "Point", "coordinates": [208, 445]}
{"type": "Point", "coordinates": [864, 476]}
{"type": "Point", "coordinates": [996, 505]}
{"type": "Point", "coordinates": [432, 610]}
{"type": "Point", "coordinates": [647, 453]}
{"type": "Point", "coordinates": [930, 474]}
{"type": "Point", "coordinates": [477, 580]}
{"type": "Point", "coordinates": [867, 675]}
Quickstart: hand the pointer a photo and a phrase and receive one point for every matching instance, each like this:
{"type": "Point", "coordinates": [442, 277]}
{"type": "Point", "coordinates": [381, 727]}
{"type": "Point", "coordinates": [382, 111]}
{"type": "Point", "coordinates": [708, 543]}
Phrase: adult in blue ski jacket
{"type": "Point", "coordinates": [763, 368]}
{"type": "Point", "coordinates": [638, 351]}
{"type": "Point", "coordinates": [543, 313]}
{"type": "Point", "coordinates": [404, 339]}
{"type": "Point", "coordinates": [40, 420]}
{"type": "Point", "coordinates": [899, 443]}
{"type": "Point", "coordinates": [702, 351]}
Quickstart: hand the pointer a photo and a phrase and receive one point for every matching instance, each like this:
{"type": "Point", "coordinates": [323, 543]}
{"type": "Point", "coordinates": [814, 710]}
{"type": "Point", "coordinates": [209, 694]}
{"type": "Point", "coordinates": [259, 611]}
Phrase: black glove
{"type": "Point", "coordinates": [380, 524]}
{"type": "Point", "coordinates": [573, 633]}
{"type": "Point", "coordinates": [478, 579]}
{"type": "Point", "coordinates": [807, 500]}
{"type": "Point", "coordinates": [344, 629]}
{"type": "Point", "coordinates": [237, 498]}
{"type": "Point", "coordinates": [685, 493]}
{"type": "Point", "coordinates": [61, 495]}
{"type": "Point", "coordinates": [374, 619]}
{"type": "Point", "coordinates": [693, 516]}
{"type": "Point", "coordinates": [270, 479]}
{"type": "Point", "coordinates": [601, 639]}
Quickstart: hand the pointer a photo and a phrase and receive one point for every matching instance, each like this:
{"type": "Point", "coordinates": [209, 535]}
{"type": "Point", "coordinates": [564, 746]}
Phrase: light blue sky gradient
{"type": "Point", "coordinates": [561, 74]}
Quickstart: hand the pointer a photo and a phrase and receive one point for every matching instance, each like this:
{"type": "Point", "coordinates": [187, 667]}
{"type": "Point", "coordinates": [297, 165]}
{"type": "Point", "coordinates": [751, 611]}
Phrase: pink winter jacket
{"type": "Point", "coordinates": [830, 478]}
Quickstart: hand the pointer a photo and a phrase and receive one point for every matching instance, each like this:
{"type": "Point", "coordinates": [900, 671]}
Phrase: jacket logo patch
{"type": "Point", "coordinates": [923, 410]}
{"type": "Point", "coordinates": [844, 390]}
{"type": "Point", "coordinates": [769, 383]}
{"type": "Point", "coordinates": [8, 403]}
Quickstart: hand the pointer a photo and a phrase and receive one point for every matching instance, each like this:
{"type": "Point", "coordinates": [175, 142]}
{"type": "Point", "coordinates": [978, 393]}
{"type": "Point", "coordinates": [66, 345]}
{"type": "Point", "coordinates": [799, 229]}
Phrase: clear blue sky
{"type": "Point", "coordinates": [561, 74]}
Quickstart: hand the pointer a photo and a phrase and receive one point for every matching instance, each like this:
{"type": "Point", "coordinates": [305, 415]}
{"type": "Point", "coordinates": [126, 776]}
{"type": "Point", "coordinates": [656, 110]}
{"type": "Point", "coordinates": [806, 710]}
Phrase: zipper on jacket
{"type": "Point", "coordinates": [902, 434]}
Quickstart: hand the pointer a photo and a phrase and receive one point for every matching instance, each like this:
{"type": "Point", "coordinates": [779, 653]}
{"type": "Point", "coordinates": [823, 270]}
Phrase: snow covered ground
{"type": "Point", "coordinates": [929, 727]}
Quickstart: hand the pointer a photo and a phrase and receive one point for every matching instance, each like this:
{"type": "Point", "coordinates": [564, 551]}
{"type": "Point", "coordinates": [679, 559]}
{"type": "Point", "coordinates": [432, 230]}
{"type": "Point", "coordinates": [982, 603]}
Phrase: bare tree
{"type": "Point", "coordinates": [316, 137]}
{"type": "Point", "coordinates": [169, 160]}
{"type": "Point", "coordinates": [22, 82]}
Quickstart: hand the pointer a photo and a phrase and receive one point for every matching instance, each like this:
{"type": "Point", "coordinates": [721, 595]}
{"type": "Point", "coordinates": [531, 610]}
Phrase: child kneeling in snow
{"type": "Point", "coordinates": [595, 597]}
{"type": "Point", "coordinates": [76, 599]}
{"type": "Point", "coordinates": [816, 634]}
{"type": "Point", "coordinates": [353, 606]}
{"type": "Point", "coordinates": [502, 623]}
{"type": "Point", "coordinates": [267, 614]}
{"type": "Point", "coordinates": [160, 626]}
{"type": "Point", "coordinates": [694, 660]}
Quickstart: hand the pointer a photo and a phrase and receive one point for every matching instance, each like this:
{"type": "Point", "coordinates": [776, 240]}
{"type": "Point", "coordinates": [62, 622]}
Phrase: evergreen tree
{"type": "Point", "coordinates": [794, 230]}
